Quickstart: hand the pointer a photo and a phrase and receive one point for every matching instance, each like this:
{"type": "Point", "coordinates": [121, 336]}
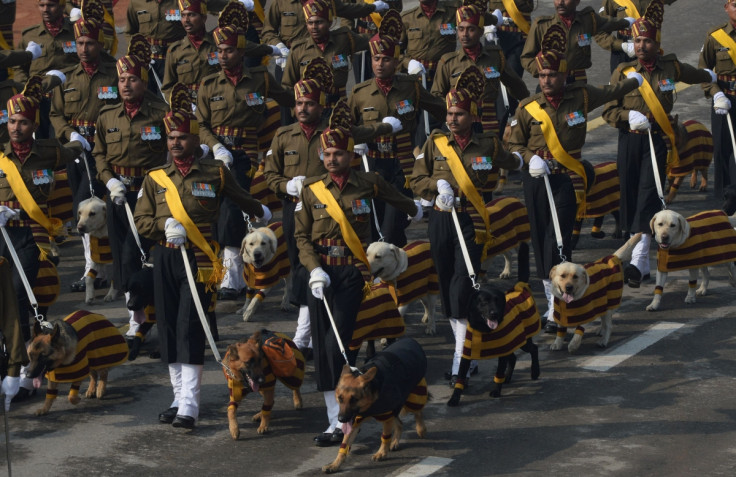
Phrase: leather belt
{"type": "Point", "coordinates": [334, 251]}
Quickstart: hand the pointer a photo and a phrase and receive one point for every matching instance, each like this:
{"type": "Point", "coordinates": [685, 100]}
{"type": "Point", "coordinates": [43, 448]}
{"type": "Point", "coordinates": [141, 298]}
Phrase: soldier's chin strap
{"type": "Point", "coordinates": [555, 219]}
{"type": "Point", "coordinates": [337, 336]}
{"type": "Point", "coordinates": [26, 284]}
{"type": "Point", "coordinates": [655, 167]}
{"type": "Point", "coordinates": [464, 249]}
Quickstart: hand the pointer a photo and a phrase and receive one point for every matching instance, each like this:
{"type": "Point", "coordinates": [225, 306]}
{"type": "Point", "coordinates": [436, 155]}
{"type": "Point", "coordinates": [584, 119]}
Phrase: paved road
{"type": "Point", "coordinates": [667, 409]}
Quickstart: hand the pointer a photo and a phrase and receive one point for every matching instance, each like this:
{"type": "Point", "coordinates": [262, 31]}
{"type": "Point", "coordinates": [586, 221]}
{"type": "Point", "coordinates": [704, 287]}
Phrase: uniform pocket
{"type": "Point", "coordinates": [288, 24]}
{"type": "Point", "coordinates": [185, 73]}
{"type": "Point", "coordinates": [114, 142]}
{"type": "Point", "coordinates": [145, 22]}
{"type": "Point", "coordinates": [414, 34]}
{"type": "Point", "coordinates": [291, 165]}
{"type": "Point", "coordinates": [72, 102]}
{"type": "Point", "coordinates": [369, 116]}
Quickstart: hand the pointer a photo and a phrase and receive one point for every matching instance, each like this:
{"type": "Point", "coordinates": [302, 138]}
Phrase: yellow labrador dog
{"type": "Point", "coordinates": [92, 220]}
{"type": "Point", "coordinates": [585, 293]}
{"type": "Point", "coordinates": [266, 264]}
{"type": "Point", "coordinates": [702, 240]}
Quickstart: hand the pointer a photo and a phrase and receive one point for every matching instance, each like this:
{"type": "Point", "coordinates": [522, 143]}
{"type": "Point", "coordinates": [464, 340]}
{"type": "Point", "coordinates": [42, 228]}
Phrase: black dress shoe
{"type": "Point", "coordinates": [632, 276]}
{"type": "Point", "coordinates": [185, 422]}
{"type": "Point", "coordinates": [134, 347]}
{"type": "Point", "coordinates": [448, 375]}
{"type": "Point", "coordinates": [167, 417]}
{"type": "Point", "coordinates": [550, 327]}
{"type": "Point", "coordinates": [327, 439]}
{"type": "Point", "coordinates": [78, 286]}
{"type": "Point", "coordinates": [227, 294]}
{"type": "Point", "coordinates": [23, 394]}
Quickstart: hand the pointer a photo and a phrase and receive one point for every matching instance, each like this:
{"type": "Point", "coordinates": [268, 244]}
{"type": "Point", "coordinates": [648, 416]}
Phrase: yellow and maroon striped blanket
{"type": "Point", "coordinates": [712, 241]}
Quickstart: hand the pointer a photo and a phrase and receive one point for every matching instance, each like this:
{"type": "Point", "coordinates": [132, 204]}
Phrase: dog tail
{"type": "Point", "coordinates": [624, 253]}
{"type": "Point", "coordinates": [523, 262]}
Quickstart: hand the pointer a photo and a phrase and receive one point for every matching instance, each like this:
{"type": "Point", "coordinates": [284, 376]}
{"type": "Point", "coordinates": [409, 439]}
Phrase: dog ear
{"type": "Point", "coordinates": [56, 333]}
{"type": "Point", "coordinates": [369, 375]}
{"type": "Point", "coordinates": [587, 279]}
{"type": "Point", "coordinates": [36, 328]}
{"type": "Point", "coordinates": [397, 253]}
{"type": "Point", "coordinates": [346, 371]}
{"type": "Point", "coordinates": [684, 226]}
{"type": "Point", "coordinates": [651, 224]}
{"type": "Point", "coordinates": [273, 242]}
{"type": "Point", "coordinates": [243, 248]}
{"type": "Point", "coordinates": [553, 272]}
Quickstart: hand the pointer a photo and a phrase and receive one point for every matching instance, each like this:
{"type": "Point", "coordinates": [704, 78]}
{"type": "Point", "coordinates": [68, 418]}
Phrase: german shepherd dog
{"type": "Point", "coordinates": [390, 383]}
{"type": "Point", "coordinates": [251, 371]}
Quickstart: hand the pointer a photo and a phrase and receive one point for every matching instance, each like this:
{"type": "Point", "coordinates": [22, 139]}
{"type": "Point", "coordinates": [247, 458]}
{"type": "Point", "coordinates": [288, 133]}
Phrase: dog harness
{"type": "Point", "coordinates": [712, 241]}
{"type": "Point", "coordinates": [419, 278]}
{"type": "Point", "coordinates": [603, 294]}
{"type": "Point", "coordinates": [269, 274]}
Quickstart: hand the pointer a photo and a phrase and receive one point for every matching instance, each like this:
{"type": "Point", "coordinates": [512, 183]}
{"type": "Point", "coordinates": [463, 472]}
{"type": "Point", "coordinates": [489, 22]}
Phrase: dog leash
{"type": "Point", "coordinates": [464, 249]}
{"type": "Point", "coordinates": [83, 158]}
{"type": "Point", "coordinates": [733, 138]}
{"type": "Point", "coordinates": [373, 203]}
{"type": "Point", "coordinates": [655, 169]}
{"type": "Point", "coordinates": [555, 219]}
{"type": "Point", "coordinates": [133, 229]}
{"type": "Point", "coordinates": [337, 336]}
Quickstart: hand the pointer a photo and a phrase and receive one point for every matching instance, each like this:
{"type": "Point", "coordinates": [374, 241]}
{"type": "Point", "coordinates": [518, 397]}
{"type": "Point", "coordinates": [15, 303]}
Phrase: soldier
{"type": "Point", "coordinates": [389, 94]}
{"type": "Point", "coordinates": [580, 26]}
{"type": "Point", "coordinates": [27, 178]}
{"type": "Point", "coordinates": [7, 18]}
{"type": "Point", "coordinates": [128, 142]}
{"type": "Point", "coordinates": [332, 232]}
{"type": "Point", "coordinates": [10, 58]}
{"type": "Point", "coordinates": [230, 110]}
{"type": "Point", "coordinates": [635, 115]}
{"type": "Point", "coordinates": [458, 164]}
{"type": "Point", "coordinates": [549, 133]}
{"type": "Point", "coordinates": [105, 9]}
{"type": "Point", "coordinates": [194, 187]}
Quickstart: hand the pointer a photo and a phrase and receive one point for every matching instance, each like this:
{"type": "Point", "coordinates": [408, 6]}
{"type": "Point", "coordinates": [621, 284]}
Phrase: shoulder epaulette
{"type": "Point", "coordinates": [312, 180]}
{"type": "Point", "coordinates": [362, 85]}
{"type": "Point", "coordinates": [210, 78]}
{"type": "Point", "coordinates": [109, 107]}
{"type": "Point", "coordinates": [717, 28]}
{"type": "Point", "coordinates": [211, 162]}
{"type": "Point", "coordinates": [162, 166]}
{"type": "Point", "coordinates": [668, 57]}
{"type": "Point", "coordinates": [32, 27]}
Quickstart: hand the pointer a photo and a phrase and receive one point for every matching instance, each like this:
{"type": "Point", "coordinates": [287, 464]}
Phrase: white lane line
{"type": "Point", "coordinates": [427, 466]}
{"type": "Point", "coordinates": [627, 350]}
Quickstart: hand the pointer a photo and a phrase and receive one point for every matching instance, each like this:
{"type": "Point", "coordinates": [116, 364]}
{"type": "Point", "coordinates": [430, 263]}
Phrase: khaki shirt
{"type": "Point", "coordinates": [10, 58]}
{"type": "Point", "coordinates": [714, 56]}
{"type": "Point", "coordinates": [584, 27]}
{"type": "Point", "coordinates": [46, 155]}
{"type": "Point", "coordinates": [526, 132]}
{"type": "Point", "coordinates": [285, 22]}
{"type": "Point", "coordinates": [423, 39]}
{"type": "Point", "coordinates": [337, 53]}
{"type": "Point", "coordinates": [611, 8]}
{"type": "Point", "coordinates": [118, 138]}
{"type": "Point", "coordinates": [668, 69]}
{"type": "Point", "coordinates": [152, 210]}
{"type": "Point", "coordinates": [220, 103]}
{"type": "Point", "coordinates": [314, 223]}
{"type": "Point", "coordinates": [148, 17]}
{"type": "Point", "coordinates": [79, 98]}
{"type": "Point", "coordinates": [53, 54]}
{"type": "Point", "coordinates": [432, 166]}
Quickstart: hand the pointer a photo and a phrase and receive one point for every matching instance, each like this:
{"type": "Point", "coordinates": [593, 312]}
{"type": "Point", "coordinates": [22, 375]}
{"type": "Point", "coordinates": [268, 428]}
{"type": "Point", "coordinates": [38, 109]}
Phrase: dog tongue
{"type": "Point", "coordinates": [347, 428]}
{"type": "Point", "coordinates": [253, 385]}
{"type": "Point", "coordinates": [37, 382]}
{"type": "Point", "coordinates": [492, 324]}
{"type": "Point", "coordinates": [567, 297]}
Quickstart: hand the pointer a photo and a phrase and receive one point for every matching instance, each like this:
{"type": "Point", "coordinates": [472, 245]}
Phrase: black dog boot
{"type": "Point", "coordinates": [134, 347]}
{"type": "Point", "coordinates": [632, 276]}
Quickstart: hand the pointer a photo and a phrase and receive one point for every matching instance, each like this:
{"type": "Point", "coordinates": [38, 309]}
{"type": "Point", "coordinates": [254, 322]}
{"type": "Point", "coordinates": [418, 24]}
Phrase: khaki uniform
{"type": "Point", "coordinates": [148, 17]}
{"type": "Point", "coordinates": [426, 39]}
{"type": "Point", "coordinates": [9, 58]}
{"type": "Point", "coordinates": [587, 23]}
{"type": "Point", "coordinates": [526, 7]}
{"type": "Point", "coordinates": [612, 41]}
{"type": "Point", "coordinates": [57, 52]}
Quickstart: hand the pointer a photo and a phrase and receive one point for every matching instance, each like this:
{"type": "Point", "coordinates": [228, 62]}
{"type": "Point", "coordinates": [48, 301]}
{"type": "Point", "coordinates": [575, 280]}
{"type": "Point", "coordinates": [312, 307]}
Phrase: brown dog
{"type": "Point", "coordinates": [392, 382]}
{"type": "Point", "coordinates": [251, 370]}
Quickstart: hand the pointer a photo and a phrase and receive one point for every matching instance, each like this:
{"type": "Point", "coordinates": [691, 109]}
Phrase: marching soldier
{"type": "Point", "coordinates": [105, 10]}
{"type": "Point", "coordinates": [549, 133]}
{"type": "Point", "coordinates": [635, 115]}
{"type": "Point", "coordinates": [333, 228]}
{"type": "Point", "coordinates": [193, 187]}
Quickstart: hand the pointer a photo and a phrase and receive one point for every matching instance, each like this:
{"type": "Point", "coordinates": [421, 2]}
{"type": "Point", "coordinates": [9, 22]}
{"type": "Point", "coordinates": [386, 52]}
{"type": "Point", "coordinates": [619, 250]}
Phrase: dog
{"type": "Point", "coordinates": [411, 272]}
{"type": "Point", "coordinates": [702, 240]}
{"type": "Point", "coordinates": [584, 293]}
{"type": "Point", "coordinates": [82, 344]}
{"type": "Point", "coordinates": [602, 198]}
{"type": "Point", "coordinates": [250, 369]}
{"type": "Point", "coordinates": [498, 324]}
{"type": "Point", "coordinates": [266, 263]}
{"type": "Point", "coordinates": [393, 381]}
{"type": "Point", "coordinates": [92, 220]}
{"type": "Point", "coordinates": [510, 228]}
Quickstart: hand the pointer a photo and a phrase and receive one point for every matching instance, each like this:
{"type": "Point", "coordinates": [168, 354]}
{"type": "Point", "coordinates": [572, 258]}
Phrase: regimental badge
{"type": "Point", "coordinates": [575, 118]}
{"type": "Point", "coordinates": [440, 158]}
{"type": "Point", "coordinates": [43, 176]}
{"type": "Point", "coordinates": [150, 133]}
{"type": "Point", "coordinates": [360, 206]}
{"type": "Point", "coordinates": [584, 39]}
{"type": "Point", "coordinates": [212, 58]}
{"type": "Point", "coordinates": [253, 99]}
{"type": "Point", "coordinates": [173, 15]}
{"type": "Point", "coordinates": [69, 47]}
{"type": "Point", "coordinates": [447, 29]}
{"type": "Point", "coordinates": [404, 106]}
{"type": "Point", "coordinates": [107, 92]}
{"type": "Point", "coordinates": [385, 147]}
{"type": "Point", "coordinates": [339, 61]}
{"type": "Point", "coordinates": [491, 72]}
{"type": "Point", "coordinates": [666, 85]}
{"type": "Point", "coordinates": [200, 189]}
{"type": "Point", "coordinates": [3, 116]}
{"type": "Point", "coordinates": [482, 163]}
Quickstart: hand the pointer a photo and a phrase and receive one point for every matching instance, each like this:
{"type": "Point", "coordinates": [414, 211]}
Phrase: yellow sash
{"type": "Point", "coordinates": [27, 202]}
{"type": "Point", "coordinates": [726, 41]}
{"type": "Point", "coordinates": [376, 17]}
{"type": "Point", "coordinates": [258, 10]}
{"type": "Point", "coordinates": [517, 16]}
{"type": "Point", "coordinates": [335, 211]}
{"type": "Point", "coordinates": [559, 152]}
{"type": "Point", "coordinates": [3, 43]}
{"type": "Point", "coordinates": [655, 107]}
{"type": "Point", "coordinates": [193, 233]}
{"type": "Point", "coordinates": [110, 21]}
{"type": "Point", "coordinates": [631, 10]}
{"type": "Point", "coordinates": [465, 184]}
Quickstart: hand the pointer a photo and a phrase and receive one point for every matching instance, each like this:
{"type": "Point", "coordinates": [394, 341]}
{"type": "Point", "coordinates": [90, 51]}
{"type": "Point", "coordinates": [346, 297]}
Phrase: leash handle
{"type": "Point", "coordinates": [22, 274]}
{"type": "Point", "coordinates": [464, 249]}
{"type": "Point", "coordinates": [555, 218]}
{"type": "Point", "coordinates": [133, 229]}
{"type": "Point", "coordinates": [373, 203]}
{"type": "Point", "coordinates": [337, 335]}
{"type": "Point", "coordinates": [655, 169]}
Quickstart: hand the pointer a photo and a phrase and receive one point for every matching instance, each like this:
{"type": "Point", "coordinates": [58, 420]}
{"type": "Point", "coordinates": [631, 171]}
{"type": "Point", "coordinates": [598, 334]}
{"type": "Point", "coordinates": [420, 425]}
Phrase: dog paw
{"type": "Point", "coordinates": [41, 412]}
{"type": "Point", "coordinates": [75, 400]}
{"type": "Point", "coordinates": [495, 393]}
{"type": "Point", "coordinates": [110, 297]}
{"type": "Point", "coordinates": [263, 428]}
{"type": "Point", "coordinates": [89, 301]}
{"type": "Point", "coordinates": [689, 300]}
{"type": "Point", "coordinates": [454, 400]}
{"type": "Point", "coordinates": [256, 417]}
{"type": "Point", "coordinates": [288, 307]}
{"type": "Point", "coordinates": [556, 346]}
{"type": "Point", "coordinates": [379, 456]}
{"type": "Point", "coordinates": [90, 394]}
{"type": "Point", "coordinates": [504, 275]}
{"type": "Point", "coordinates": [430, 330]}
{"type": "Point", "coordinates": [652, 307]}
{"type": "Point", "coordinates": [330, 469]}
{"type": "Point", "coordinates": [602, 343]}
{"type": "Point", "coordinates": [234, 431]}
{"type": "Point", "coordinates": [701, 292]}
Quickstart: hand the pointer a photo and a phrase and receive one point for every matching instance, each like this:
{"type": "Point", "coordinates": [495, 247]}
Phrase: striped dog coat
{"type": "Point", "coordinates": [378, 316]}
{"type": "Point", "coordinates": [696, 153]}
{"type": "Point", "coordinates": [712, 241]}
{"type": "Point", "coordinates": [509, 225]}
{"type": "Point", "coordinates": [419, 278]}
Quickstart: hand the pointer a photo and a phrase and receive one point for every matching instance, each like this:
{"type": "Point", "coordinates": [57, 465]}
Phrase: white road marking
{"type": "Point", "coordinates": [427, 466]}
{"type": "Point", "coordinates": [627, 350]}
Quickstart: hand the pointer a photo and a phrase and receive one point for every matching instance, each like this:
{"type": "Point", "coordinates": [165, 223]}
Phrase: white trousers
{"type": "Point", "coordinates": [333, 409]}
{"type": "Point", "coordinates": [135, 318]}
{"type": "Point", "coordinates": [640, 254]}
{"type": "Point", "coordinates": [233, 263]}
{"type": "Point", "coordinates": [459, 328]}
{"type": "Point", "coordinates": [550, 299]}
{"type": "Point", "coordinates": [303, 335]}
{"type": "Point", "coordinates": [186, 380]}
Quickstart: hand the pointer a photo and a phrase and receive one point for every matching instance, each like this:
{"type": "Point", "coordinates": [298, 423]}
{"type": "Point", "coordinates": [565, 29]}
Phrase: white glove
{"type": "Point", "coordinates": [34, 49]}
{"type": "Point", "coordinates": [248, 4]}
{"type": "Point", "coordinates": [222, 154]}
{"type": "Point", "coordinates": [318, 281]}
{"type": "Point", "coordinates": [628, 48]}
{"type": "Point", "coordinates": [381, 6]}
{"type": "Point", "coordinates": [445, 202]}
{"type": "Point", "coordinates": [499, 16]}
{"type": "Point", "coordinates": [275, 51]}
{"type": "Point", "coordinates": [10, 388]}
{"type": "Point", "coordinates": [360, 149]}
{"type": "Point", "coordinates": [713, 76]}
{"type": "Point", "coordinates": [490, 33]}
{"type": "Point", "coordinates": [444, 187]}
{"type": "Point", "coordinates": [631, 20]}
{"type": "Point", "coordinates": [395, 123]}
{"type": "Point", "coordinates": [636, 76]}
{"type": "Point", "coordinates": [415, 67]}
{"type": "Point", "coordinates": [205, 149]}
{"type": "Point", "coordinates": [538, 167]}
{"type": "Point", "coordinates": [6, 214]}
{"type": "Point", "coordinates": [420, 212]}
{"type": "Point", "coordinates": [75, 14]}
{"type": "Point", "coordinates": [637, 121]}
{"type": "Point", "coordinates": [294, 186]}
{"type": "Point", "coordinates": [280, 61]}
{"type": "Point", "coordinates": [267, 215]}
{"type": "Point", "coordinates": [117, 191]}
{"type": "Point", "coordinates": [283, 48]}
{"type": "Point", "coordinates": [58, 74]}
{"type": "Point", "coordinates": [175, 232]}
{"type": "Point", "coordinates": [75, 136]}
{"type": "Point", "coordinates": [721, 103]}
